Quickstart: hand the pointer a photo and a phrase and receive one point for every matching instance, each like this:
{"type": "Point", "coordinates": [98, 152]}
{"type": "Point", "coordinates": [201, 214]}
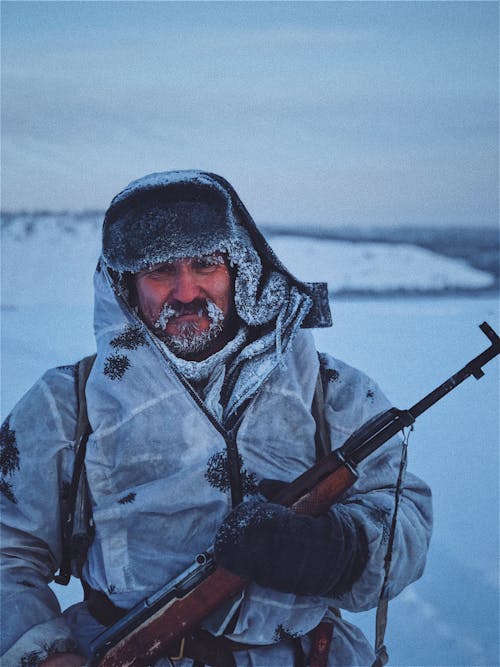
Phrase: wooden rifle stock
{"type": "Point", "coordinates": [172, 622]}
{"type": "Point", "coordinates": [312, 493]}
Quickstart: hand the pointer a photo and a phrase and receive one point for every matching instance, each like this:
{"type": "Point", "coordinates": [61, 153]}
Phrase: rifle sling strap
{"type": "Point", "coordinates": [323, 447]}
{"type": "Point", "coordinates": [381, 655]}
{"type": "Point", "coordinates": [77, 498]}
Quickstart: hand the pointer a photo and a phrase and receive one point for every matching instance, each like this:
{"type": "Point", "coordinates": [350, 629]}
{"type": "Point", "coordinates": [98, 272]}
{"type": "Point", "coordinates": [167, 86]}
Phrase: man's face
{"type": "Point", "coordinates": [188, 303]}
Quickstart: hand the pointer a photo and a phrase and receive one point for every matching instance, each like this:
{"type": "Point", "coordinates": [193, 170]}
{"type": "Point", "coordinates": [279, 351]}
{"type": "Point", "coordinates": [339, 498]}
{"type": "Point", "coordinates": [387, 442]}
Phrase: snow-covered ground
{"type": "Point", "coordinates": [410, 345]}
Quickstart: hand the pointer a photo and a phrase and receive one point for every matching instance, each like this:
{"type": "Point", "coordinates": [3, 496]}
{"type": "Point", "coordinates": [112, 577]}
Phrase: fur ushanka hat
{"type": "Point", "coordinates": [171, 215]}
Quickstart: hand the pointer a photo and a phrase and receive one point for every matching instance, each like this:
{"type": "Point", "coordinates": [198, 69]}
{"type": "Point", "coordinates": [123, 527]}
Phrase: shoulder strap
{"type": "Point", "coordinates": [75, 510]}
{"type": "Point", "coordinates": [322, 436]}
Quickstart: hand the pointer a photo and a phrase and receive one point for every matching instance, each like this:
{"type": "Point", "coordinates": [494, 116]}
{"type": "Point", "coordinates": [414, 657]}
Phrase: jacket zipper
{"type": "Point", "coordinates": [233, 458]}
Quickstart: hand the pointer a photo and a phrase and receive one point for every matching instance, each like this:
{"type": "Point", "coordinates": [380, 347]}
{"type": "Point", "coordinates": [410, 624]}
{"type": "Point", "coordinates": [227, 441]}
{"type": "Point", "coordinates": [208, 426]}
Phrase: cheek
{"type": "Point", "coordinates": [150, 297]}
{"type": "Point", "coordinates": [222, 294]}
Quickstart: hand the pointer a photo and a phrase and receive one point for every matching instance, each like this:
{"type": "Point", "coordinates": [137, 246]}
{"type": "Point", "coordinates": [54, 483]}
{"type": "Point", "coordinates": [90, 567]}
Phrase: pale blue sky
{"type": "Point", "coordinates": [318, 112]}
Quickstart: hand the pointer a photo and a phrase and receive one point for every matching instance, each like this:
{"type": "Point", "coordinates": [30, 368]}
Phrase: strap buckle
{"type": "Point", "coordinates": [182, 646]}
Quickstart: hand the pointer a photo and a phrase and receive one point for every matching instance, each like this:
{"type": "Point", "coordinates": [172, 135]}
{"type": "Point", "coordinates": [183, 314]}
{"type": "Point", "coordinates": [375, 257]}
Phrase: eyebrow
{"type": "Point", "coordinates": [218, 257]}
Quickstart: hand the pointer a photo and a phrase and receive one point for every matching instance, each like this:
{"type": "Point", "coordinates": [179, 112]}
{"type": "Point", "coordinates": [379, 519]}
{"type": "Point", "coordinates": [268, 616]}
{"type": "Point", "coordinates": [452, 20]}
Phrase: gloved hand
{"type": "Point", "coordinates": [276, 548]}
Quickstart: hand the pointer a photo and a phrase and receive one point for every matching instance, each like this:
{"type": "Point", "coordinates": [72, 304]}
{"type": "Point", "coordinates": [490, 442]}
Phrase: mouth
{"type": "Point", "coordinates": [189, 314]}
{"type": "Point", "coordinates": [188, 317]}
{"type": "Point", "coordinates": [169, 315]}
{"type": "Point", "coordinates": [185, 320]}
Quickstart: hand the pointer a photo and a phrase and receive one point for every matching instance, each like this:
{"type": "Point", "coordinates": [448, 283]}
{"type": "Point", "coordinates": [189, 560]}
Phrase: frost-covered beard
{"type": "Point", "coordinates": [190, 339]}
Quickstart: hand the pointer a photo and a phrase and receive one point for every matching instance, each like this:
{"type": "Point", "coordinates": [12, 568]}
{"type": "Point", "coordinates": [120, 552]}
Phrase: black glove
{"type": "Point", "coordinates": [277, 548]}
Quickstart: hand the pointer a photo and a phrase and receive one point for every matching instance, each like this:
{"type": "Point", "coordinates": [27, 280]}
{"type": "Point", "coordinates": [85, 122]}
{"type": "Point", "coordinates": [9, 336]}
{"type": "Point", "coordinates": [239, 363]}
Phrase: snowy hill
{"type": "Point", "coordinates": [364, 267]}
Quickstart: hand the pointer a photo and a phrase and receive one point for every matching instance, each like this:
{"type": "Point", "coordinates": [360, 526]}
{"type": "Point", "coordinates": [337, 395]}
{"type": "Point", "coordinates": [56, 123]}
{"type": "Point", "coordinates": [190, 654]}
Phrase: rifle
{"type": "Point", "coordinates": [148, 630]}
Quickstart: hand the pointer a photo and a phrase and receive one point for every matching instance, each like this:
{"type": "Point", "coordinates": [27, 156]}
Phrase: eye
{"type": "Point", "coordinates": [167, 269]}
{"type": "Point", "coordinates": [207, 264]}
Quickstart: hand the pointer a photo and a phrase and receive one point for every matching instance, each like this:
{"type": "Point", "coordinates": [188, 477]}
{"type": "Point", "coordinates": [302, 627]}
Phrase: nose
{"type": "Point", "coordinates": [186, 287]}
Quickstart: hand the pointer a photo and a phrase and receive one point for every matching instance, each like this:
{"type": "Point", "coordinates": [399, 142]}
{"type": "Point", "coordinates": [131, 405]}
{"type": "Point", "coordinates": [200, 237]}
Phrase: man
{"type": "Point", "coordinates": [200, 396]}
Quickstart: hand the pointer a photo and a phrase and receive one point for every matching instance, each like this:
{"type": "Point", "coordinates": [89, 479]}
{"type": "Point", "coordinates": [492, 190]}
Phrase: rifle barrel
{"type": "Point", "coordinates": [474, 367]}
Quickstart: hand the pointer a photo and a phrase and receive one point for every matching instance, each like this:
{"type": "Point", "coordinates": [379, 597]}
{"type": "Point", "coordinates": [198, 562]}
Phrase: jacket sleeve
{"type": "Point", "coordinates": [37, 451]}
{"type": "Point", "coordinates": [351, 398]}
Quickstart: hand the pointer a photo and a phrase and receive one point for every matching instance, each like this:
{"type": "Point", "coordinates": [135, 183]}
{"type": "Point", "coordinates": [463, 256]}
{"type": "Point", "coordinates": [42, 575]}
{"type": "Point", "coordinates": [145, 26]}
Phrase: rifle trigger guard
{"type": "Point", "coordinates": [181, 650]}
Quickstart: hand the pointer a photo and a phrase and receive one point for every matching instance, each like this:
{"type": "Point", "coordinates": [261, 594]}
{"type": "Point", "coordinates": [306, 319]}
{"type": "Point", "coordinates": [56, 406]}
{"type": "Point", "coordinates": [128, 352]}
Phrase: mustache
{"type": "Point", "coordinates": [196, 307]}
{"type": "Point", "coordinates": [174, 309]}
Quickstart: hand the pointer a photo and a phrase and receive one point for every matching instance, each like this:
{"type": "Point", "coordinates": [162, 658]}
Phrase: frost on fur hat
{"type": "Point", "coordinates": [153, 225]}
{"type": "Point", "coordinates": [170, 215]}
